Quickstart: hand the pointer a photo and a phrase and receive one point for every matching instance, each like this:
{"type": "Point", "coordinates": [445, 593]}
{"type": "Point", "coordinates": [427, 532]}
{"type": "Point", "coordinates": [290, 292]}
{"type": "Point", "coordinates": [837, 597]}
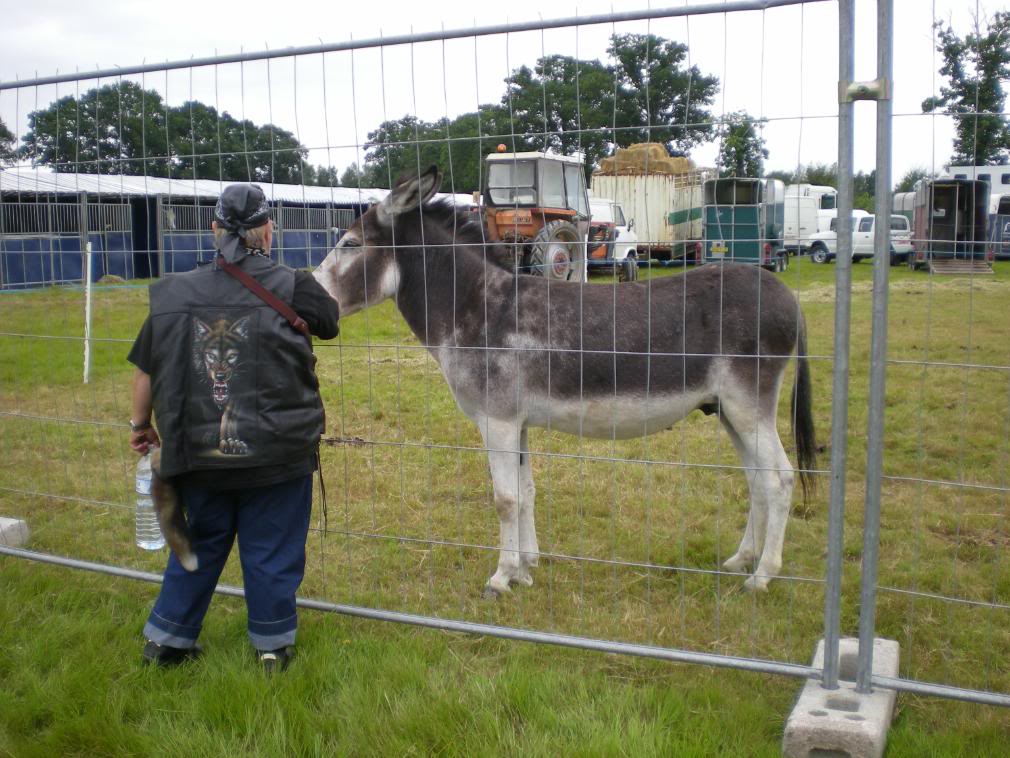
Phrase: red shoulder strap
{"type": "Point", "coordinates": [268, 297]}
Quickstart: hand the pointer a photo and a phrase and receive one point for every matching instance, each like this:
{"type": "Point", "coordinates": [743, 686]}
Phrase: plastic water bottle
{"type": "Point", "coordinates": [149, 535]}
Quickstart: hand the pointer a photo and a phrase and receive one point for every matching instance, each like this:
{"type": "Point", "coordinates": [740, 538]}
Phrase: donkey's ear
{"type": "Point", "coordinates": [410, 191]}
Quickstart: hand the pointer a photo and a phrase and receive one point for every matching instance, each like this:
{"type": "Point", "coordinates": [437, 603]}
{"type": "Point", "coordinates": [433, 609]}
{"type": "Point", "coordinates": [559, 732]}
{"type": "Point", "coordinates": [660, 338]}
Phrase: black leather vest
{"type": "Point", "coordinates": [234, 385]}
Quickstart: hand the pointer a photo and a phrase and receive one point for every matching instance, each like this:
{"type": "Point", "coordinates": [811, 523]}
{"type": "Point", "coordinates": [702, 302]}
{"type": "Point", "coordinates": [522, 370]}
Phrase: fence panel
{"type": "Point", "coordinates": [632, 533]}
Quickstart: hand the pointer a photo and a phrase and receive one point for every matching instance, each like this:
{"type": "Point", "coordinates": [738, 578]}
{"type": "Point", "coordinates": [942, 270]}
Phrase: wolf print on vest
{"type": "Point", "coordinates": [219, 356]}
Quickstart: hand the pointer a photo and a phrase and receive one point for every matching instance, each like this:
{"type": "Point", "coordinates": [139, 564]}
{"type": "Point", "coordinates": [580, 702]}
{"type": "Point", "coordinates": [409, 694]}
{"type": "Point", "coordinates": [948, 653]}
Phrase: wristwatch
{"type": "Point", "coordinates": [135, 427]}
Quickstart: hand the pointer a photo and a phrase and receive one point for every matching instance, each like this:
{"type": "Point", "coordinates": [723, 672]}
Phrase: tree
{"type": "Point", "coordinates": [395, 147]}
{"type": "Point", "coordinates": [742, 149]}
{"type": "Point", "coordinates": [111, 129]}
{"type": "Point", "coordinates": [122, 128]}
{"type": "Point", "coordinates": [974, 66]}
{"type": "Point", "coordinates": [660, 99]}
{"type": "Point", "coordinates": [351, 177]}
{"type": "Point", "coordinates": [457, 146]}
{"type": "Point", "coordinates": [563, 104]}
{"type": "Point", "coordinates": [864, 189]}
{"type": "Point", "coordinates": [7, 140]}
{"type": "Point", "coordinates": [822, 174]}
{"type": "Point", "coordinates": [326, 176]}
{"type": "Point", "coordinates": [907, 182]}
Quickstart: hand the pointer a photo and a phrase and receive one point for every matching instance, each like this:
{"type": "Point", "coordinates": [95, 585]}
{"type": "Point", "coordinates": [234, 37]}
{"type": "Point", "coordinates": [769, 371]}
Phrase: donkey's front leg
{"type": "Point", "coordinates": [529, 551]}
{"type": "Point", "coordinates": [502, 441]}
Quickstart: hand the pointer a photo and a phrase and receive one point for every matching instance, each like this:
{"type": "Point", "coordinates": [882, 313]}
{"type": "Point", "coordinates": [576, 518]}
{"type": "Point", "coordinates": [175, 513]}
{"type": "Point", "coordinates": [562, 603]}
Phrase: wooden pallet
{"type": "Point", "coordinates": [961, 267]}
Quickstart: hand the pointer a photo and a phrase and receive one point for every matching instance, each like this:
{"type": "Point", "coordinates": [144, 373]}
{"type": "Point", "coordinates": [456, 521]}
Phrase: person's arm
{"type": "Point", "coordinates": [142, 434]}
{"type": "Point", "coordinates": [315, 305]}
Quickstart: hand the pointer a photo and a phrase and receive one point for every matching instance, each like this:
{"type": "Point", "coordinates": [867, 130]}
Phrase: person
{"type": "Point", "coordinates": [234, 394]}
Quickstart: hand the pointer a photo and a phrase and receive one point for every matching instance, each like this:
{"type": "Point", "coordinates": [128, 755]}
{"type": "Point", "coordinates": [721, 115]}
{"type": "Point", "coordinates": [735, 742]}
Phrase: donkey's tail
{"type": "Point", "coordinates": [803, 418]}
{"type": "Point", "coordinates": [171, 518]}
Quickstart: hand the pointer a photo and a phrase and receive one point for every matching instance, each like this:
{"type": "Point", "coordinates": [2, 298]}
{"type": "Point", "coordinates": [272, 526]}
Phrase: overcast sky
{"type": "Point", "coordinates": [780, 64]}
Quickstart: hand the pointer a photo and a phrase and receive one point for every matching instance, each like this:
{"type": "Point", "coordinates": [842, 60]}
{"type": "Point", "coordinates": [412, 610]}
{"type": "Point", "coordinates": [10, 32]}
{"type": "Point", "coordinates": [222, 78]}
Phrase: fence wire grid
{"type": "Point", "coordinates": [910, 510]}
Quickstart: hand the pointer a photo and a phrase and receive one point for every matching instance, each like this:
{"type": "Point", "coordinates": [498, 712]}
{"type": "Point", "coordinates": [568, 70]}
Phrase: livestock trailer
{"type": "Point", "coordinates": [903, 204]}
{"type": "Point", "coordinates": [662, 194]}
{"type": "Point", "coordinates": [949, 220]}
{"type": "Point", "coordinates": [743, 221]}
{"type": "Point", "coordinates": [999, 227]}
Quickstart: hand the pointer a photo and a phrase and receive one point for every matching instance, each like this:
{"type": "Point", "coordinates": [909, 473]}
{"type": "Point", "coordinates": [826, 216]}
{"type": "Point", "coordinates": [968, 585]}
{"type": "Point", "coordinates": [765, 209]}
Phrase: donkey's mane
{"type": "Point", "coordinates": [467, 229]}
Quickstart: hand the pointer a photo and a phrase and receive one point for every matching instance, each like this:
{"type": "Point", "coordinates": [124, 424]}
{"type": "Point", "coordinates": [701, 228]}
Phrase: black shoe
{"type": "Point", "coordinates": [276, 660]}
{"type": "Point", "coordinates": [163, 655]}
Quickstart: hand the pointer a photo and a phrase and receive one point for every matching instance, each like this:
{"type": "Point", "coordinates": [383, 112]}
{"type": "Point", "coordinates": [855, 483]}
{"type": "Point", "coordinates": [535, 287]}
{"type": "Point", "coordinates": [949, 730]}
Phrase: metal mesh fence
{"type": "Point", "coordinates": [632, 533]}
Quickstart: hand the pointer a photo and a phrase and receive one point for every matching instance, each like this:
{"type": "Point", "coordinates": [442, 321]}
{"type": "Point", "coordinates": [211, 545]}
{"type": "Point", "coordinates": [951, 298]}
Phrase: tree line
{"type": "Point", "coordinates": [647, 93]}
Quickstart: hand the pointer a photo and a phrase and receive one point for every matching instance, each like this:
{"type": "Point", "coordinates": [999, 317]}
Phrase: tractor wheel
{"type": "Point", "coordinates": [628, 271]}
{"type": "Point", "coordinates": [554, 250]}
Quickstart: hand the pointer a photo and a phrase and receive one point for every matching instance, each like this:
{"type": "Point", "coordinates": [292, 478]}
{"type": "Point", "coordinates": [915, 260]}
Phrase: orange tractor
{"type": "Point", "coordinates": [537, 204]}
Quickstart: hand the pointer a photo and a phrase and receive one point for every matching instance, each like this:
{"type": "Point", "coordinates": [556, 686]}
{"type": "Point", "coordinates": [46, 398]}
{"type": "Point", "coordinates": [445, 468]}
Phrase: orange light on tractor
{"type": "Point", "coordinates": [502, 148]}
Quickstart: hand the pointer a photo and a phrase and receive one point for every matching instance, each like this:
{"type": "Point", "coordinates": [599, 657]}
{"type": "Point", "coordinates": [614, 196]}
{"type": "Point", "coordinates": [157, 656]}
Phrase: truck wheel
{"type": "Point", "coordinates": [554, 249]}
{"type": "Point", "coordinates": [819, 254]}
{"type": "Point", "coordinates": [628, 272]}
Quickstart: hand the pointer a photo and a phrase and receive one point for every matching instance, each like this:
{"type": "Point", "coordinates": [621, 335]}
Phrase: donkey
{"type": "Point", "coordinates": [608, 362]}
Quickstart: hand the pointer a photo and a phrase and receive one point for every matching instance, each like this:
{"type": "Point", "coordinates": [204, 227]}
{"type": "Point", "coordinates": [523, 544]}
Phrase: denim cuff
{"type": "Point", "coordinates": [270, 635]}
{"type": "Point", "coordinates": [165, 632]}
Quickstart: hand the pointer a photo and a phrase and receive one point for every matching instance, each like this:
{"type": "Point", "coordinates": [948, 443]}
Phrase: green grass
{"type": "Point", "coordinates": [72, 639]}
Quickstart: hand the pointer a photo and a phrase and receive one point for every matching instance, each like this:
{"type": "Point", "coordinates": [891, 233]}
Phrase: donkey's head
{"type": "Point", "coordinates": [362, 269]}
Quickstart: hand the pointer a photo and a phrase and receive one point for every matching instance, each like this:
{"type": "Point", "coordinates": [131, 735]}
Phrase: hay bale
{"type": "Point", "coordinates": [644, 158]}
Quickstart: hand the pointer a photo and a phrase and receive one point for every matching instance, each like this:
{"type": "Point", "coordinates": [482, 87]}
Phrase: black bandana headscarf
{"type": "Point", "coordinates": [240, 207]}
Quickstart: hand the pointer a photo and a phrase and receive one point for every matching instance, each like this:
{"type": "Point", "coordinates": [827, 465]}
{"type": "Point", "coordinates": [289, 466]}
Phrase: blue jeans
{"type": "Point", "coordinates": [271, 524]}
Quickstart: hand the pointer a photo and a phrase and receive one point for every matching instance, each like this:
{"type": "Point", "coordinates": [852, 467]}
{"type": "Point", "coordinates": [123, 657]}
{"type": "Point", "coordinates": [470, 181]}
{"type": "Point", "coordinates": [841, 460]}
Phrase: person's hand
{"type": "Point", "coordinates": [144, 440]}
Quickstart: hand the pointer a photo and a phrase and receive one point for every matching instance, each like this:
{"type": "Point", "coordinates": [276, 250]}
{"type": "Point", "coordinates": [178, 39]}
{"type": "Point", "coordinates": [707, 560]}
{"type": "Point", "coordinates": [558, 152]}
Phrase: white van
{"type": "Point", "coordinates": [809, 209]}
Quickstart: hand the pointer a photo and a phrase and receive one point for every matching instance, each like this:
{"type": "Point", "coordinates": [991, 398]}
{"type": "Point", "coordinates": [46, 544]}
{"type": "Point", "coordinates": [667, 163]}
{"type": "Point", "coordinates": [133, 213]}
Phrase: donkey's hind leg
{"type": "Point", "coordinates": [771, 484]}
{"type": "Point", "coordinates": [503, 452]}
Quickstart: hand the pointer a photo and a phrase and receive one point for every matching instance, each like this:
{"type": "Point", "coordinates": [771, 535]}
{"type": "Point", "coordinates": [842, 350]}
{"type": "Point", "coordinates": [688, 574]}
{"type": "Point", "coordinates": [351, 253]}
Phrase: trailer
{"type": "Point", "coordinates": [950, 217]}
{"type": "Point", "coordinates": [743, 221]}
{"type": "Point", "coordinates": [999, 228]}
{"type": "Point", "coordinates": [662, 195]}
{"type": "Point", "coordinates": [903, 204]}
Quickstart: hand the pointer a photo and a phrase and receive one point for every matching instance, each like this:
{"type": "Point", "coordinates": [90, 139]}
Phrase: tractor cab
{"type": "Point", "coordinates": [537, 203]}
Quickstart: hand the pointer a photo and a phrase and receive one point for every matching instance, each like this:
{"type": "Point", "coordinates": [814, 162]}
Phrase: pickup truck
{"type": "Point", "coordinates": [823, 245]}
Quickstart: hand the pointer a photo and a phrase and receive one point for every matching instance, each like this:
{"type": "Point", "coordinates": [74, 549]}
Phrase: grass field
{"type": "Point", "coordinates": [410, 526]}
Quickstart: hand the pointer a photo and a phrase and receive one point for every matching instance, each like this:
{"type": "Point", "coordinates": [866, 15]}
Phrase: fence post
{"type": "Point", "coordinates": [840, 381]}
{"type": "Point", "coordinates": [878, 349]}
{"type": "Point", "coordinates": [88, 268]}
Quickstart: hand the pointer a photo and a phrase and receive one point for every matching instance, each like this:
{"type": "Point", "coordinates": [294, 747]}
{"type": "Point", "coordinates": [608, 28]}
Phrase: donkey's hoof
{"type": "Point", "coordinates": [757, 584]}
{"type": "Point", "coordinates": [525, 579]}
{"type": "Point", "coordinates": [492, 593]}
{"type": "Point", "coordinates": [735, 563]}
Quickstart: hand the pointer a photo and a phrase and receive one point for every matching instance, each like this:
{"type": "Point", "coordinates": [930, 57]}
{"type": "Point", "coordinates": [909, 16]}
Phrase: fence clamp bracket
{"type": "Point", "coordinates": [878, 89]}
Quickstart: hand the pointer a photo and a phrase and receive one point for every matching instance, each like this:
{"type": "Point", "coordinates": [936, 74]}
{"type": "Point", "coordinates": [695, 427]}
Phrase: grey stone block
{"type": "Point", "coordinates": [13, 532]}
{"type": "Point", "coordinates": [843, 723]}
